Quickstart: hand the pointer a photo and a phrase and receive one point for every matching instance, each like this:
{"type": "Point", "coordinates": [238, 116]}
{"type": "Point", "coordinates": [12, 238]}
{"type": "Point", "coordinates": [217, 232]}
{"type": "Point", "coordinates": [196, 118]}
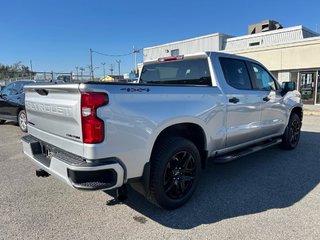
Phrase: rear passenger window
{"type": "Point", "coordinates": [236, 73]}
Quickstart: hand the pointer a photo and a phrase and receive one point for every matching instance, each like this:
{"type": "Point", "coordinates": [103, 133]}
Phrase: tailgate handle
{"type": "Point", "coordinates": [42, 92]}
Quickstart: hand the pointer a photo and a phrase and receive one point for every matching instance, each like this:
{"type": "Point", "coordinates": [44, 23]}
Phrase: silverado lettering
{"type": "Point", "coordinates": [53, 109]}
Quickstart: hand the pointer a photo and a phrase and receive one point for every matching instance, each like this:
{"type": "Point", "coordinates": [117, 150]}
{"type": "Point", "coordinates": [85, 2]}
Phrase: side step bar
{"type": "Point", "coordinates": [241, 153]}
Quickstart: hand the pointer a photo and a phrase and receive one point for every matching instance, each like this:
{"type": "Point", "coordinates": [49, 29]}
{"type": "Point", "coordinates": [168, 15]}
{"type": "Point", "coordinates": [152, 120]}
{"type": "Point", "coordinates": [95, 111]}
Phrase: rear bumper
{"type": "Point", "coordinates": [73, 170]}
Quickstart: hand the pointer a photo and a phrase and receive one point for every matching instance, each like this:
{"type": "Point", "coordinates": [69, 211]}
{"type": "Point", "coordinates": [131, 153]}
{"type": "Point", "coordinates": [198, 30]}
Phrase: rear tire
{"type": "Point", "coordinates": [175, 172]}
{"type": "Point", "coordinates": [291, 135]}
{"type": "Point", "coordinates": [2, 121]}
{"type": "Point", "coordinates": [22, 120]}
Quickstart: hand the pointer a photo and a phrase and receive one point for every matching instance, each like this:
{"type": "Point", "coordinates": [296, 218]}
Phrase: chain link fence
{"type": "Point", "coordinates": [58, 77]}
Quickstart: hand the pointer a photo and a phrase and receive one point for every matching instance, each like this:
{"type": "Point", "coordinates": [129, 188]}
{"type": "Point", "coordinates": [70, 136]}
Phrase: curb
{"type": "Point", "coordinates": [311, 113]}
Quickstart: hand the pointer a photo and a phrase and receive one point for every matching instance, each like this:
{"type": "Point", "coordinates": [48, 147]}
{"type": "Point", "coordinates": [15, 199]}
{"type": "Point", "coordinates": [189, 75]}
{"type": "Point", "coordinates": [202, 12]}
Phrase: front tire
{"type": "Point", "coordinates": [175, 172]}
{"type": "Point", "coordinates": [291, 135]}
{"type": "Point", "coordinates": [2, 121]}
{"type": "Point", "coordinates": [22, 120]}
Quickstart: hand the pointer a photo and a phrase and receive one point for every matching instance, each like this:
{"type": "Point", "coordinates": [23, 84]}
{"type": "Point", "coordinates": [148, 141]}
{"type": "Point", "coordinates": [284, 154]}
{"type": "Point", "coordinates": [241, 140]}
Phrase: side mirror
{"type": "Point", "coordinates": [288, 86]}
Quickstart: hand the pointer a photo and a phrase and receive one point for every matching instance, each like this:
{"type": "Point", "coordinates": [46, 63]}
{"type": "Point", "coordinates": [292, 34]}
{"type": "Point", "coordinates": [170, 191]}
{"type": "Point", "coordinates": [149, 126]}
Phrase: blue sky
{"type": "Point", "coordinates": [57, 35]}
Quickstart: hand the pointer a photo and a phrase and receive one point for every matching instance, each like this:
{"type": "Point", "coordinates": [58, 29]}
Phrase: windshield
{"type": "Point", "coordinates": [189, 72]}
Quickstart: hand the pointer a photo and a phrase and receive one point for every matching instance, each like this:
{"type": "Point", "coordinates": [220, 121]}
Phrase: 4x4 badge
{"type": "Point", "coordinates": [135, 89]}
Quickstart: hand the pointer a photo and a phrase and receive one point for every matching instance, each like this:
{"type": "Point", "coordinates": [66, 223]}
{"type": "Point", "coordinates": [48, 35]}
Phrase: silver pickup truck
{"type": "Point", "coordinates": [157, 135]}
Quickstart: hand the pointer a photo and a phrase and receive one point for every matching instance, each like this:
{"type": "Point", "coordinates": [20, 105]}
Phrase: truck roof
{"type": "Point", "coordinates": [200, 55]}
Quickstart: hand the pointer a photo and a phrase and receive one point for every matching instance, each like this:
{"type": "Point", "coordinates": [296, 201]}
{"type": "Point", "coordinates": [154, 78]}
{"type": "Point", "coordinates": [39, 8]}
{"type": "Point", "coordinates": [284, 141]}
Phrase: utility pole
{"type": "Point", "coordinates": [118, 61]}
{"type": "Point", "coordinates": [91, 66]}
{"type": "Point", "coordinates": [90, 72]}
{"type": "Point", "coordinates": [111, 69]}
{"type": "Point", "coordinates": [135, 52]}
{"type": "Point", "coordinates": [104, 69]}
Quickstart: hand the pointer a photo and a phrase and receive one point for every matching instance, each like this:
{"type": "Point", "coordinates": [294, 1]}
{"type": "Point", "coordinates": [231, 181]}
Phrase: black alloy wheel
{"type": "Point", "coordinates": [179, 175]}
{"type": "Point", "coordinates": [291, 136]}
{"type": "Point", "coordinates": [175, 172]}
{"type": "Point", "coordinates": [294, 131]}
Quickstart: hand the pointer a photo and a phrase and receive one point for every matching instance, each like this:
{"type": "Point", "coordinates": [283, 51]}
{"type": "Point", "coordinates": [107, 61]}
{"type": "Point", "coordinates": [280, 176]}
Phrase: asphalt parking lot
{"type": "Point", "coordinates": [272, 194]}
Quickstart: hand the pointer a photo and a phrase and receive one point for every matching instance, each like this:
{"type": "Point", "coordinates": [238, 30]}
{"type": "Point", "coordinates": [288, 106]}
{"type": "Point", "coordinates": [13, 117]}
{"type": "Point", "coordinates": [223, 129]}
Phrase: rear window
{"type": "Point", "coordinates": [189, 72]}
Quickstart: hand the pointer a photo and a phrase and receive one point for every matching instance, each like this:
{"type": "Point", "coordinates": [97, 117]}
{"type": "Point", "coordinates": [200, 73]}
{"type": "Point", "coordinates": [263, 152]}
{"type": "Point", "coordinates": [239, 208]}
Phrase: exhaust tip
{"type": "Point", "coordinates": [42, 173]}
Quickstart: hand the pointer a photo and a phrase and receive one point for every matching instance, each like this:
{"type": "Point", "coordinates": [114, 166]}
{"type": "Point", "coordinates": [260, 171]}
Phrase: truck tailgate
{"type": "Point", "coordinates": [53, 113]}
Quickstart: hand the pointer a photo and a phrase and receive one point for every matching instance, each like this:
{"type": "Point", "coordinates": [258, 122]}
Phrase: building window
{"type": "Point", "coordinates": [254, 44]}
{"type": "Point", "coordinates": [175, 52]}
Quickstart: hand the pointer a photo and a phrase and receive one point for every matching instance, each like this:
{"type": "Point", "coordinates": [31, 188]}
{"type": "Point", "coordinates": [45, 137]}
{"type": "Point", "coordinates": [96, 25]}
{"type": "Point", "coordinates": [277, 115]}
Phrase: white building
{"type": "Point", "coordinates": [291, 54]}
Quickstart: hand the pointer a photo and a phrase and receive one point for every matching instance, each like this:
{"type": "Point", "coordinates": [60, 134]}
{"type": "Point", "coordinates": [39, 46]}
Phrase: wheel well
{"type": "Point", "coordinates": [298, 111]}
{"type": "Point", "coordinates": [190, 131]}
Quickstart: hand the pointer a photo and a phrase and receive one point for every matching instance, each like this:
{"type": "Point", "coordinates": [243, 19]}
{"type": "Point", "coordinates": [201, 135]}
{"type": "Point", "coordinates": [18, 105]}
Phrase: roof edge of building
{"type": "Point", "coordinates": [190, 39]}
{"type": "Point", "coordinates": [310, 31]}
{"type": "Point", "coordinates": [288, 29]}
{"type": "Point", "coordinates": [300, 42]}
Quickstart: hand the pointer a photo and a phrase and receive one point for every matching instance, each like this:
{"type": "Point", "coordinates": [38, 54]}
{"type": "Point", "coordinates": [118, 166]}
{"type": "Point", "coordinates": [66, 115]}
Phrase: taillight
{"type": "Point", "coordinates": [92, 126]}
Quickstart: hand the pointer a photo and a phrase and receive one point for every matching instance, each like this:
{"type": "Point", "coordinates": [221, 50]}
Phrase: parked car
{"type": "Point", "coordinates": [12, 103]}
{"type": "Point", "coordinates": [158, 134]}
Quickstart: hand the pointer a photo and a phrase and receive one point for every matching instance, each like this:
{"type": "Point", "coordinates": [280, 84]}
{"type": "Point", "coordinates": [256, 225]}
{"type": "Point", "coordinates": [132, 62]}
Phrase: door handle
{"type": "Point", "coordinates": [234, 100]}
{"type": "Point", "coordinates": [266, 99]}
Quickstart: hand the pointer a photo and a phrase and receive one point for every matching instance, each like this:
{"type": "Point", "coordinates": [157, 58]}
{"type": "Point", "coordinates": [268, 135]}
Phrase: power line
{"type": "Point", "coordinates": [115, 55]}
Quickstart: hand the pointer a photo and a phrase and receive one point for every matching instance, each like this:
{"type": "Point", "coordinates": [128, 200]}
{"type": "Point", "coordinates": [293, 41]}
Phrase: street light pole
{"type": "Point", "coordinates": [104, 69]}
{"type": "Point", "coordinates": [81, 70]}
{"type": "Point", "coordinates": [77, 68]}
{"type": "Point", "coordinates": [31, 72]}
{"type": "Point", "coordinates": [118, 61]}
{"type": "Point", "coordinates": [91, 66]}
{"type": "Point", "coordinates": [135, 51]}
{"type": "Point", "coordinates": [111, 69]}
